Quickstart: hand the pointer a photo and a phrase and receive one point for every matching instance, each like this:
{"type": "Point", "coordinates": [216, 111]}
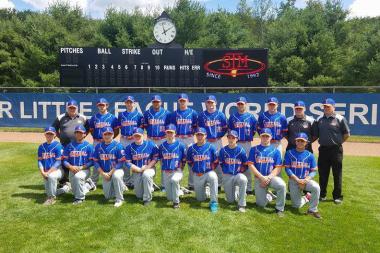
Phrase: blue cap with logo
{"type": "Point", "coordinates": [183, 96]}
{"type": "Point", "coordinates": [232, 133]}
{"type": "Point", "coordinates": [50, 129]}
{"type": "Point", "coordinates": [241, 100]}
{"type": "Point", "coordinates": [138, 131]}
{"type": "Point", "coordinates": [72, 103]}
{"type": "Point", "coordinates": [302, 136]}
{"type": "Point", "coordinates": [211, 98]}
{"type": "Point", "coordinates": [201, 130]}
{"type": "Point", "coordinates": [299, 104]}
{"type": "Point", "coordinates": [329, 102]}
{"type": "Point", "coordinates": [129, 98]}
{"type": "Point", "coordinates": [80, 128]}
{"type": "Point", "coordinates": [107, 130]}
{"type": "Point", "coordinates": [272, 100]}
{"type": "Point", "coordinates": [102, 101]}
{"type": "Point", "coordinates": [156, 98]}
{"type": "Point", "coordinates": [266, 131]}
{"type": "Point", "coordinates": [170, 128]}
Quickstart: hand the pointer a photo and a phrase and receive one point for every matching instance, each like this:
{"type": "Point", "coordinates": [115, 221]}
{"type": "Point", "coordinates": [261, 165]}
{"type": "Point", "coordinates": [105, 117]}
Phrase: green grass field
{"type": "Point", "coordinates": [96, 226]}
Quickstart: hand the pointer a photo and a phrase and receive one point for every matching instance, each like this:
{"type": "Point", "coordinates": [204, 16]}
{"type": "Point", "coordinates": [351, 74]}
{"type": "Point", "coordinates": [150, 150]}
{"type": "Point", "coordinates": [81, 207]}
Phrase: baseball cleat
{"type": "Point", "coordinates": [118, 203]}
{"type": "Point", "coordinates": [78, 201]}
{"type": "Point", "coordinates": [314, 214]}
{"type": "Point", "coordinates": [338, 201]}
{"type": "Point", "coordinates": [175, 205]}
{"type": "Point", "coordinates": [49, 201]}
{"type": "Point", "coordinates": [213, 206]}
{"type": "Point", "coordinates": [147, 203]}
{"type": "Point", "coordinates": [279, 213]}
{"type": "Point", "coordinates": [241, 209]}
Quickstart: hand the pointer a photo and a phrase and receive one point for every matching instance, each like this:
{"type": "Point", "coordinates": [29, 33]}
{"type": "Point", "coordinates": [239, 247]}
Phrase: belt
{"type": "Point", "coordinates": [213, 139]}
{"type": "Point", "coordinates": [127, 137]}
{"type": "Point", "coordinates": [156, 138]}
{"type": "Point", "coordinates": [184, 135]}
{"type": "Point", "coordinates": [199, 174]}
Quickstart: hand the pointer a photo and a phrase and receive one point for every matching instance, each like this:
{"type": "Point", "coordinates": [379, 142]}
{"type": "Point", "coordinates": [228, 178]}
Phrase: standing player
{"type": "Point", "coordinates": [49, 163]}
{"type": "Point", "coordinates": [97, 123]}
{"type": "Point", "coordinates": [108, 160]}
{"type": "Point", "coordinates": [275, 121]}
{"type": "Point", "coordinates": [244, 123]}
{"type": "Point", "coordinates": [128, 121]}
{"type": "Point", "coordinates": [185, 119]}
{"type": "Point", "coordinates": [202, 159]}
{"type": "Point", "coordinates": [265, 163]}
{"type": "Point", "coordinates": [301, 167]}
{"type": "Point", "coordinates": [141, 157]}
{"type": "Point", "coordinates": [215, 123]}
{"type": "Point", "coordinates": [298, 123]}
{"type": "Point", "coordinates": [155, 120]}
{"type": "Point", "coordinates": [233, 160]}
{"type": "Point", "coordinates": [173, 160]}
{"type": "Point", "coordinates": [78, 159]}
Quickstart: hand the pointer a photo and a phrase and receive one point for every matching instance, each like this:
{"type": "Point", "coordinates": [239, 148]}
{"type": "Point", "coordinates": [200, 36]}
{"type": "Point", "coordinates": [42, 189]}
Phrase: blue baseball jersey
{"type": "Point", "coordinates": [244, 124]}
{"type": "Point", "coordinates": [215, 124]}
{"type": "Point", "coordinates": [49, 154]}
{"type": "Point", "coordinates": [202, 159]}
{"type": "Point", "coordinates": [78, 154]}
{"type": "Point", "coordinates": [98, 121]}
{"type": "Point", "coordinates": [140, 155]}
{"type": "Point", "coordinates": [265, 158]}
{"type": "Point", "coordinates": [185, 121]}
{"type": "Point", "coordinates": [109, 156]}
{"type": "Point", "coordinates": [233, 160]}
{"type": "Point", "coordinates": [277, 123]}
{"type": "Point", "coordinates": [301, 164]}
{"type": "Point", "coordinates": [155, 122]}
{"type": "Point", "coordinates": [172, 155]}
{"type": "Point", "coordinates": [128, 121]}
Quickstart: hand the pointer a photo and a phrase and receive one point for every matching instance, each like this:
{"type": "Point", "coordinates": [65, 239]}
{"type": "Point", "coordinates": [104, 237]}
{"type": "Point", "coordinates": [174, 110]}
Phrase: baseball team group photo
{"type": "Point", "coordinates": [189, 126]}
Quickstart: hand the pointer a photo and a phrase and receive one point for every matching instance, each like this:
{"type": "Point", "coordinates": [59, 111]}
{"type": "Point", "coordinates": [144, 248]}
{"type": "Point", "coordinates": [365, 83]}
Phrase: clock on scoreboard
{"type": "Point", "coordinates": [162, 67]}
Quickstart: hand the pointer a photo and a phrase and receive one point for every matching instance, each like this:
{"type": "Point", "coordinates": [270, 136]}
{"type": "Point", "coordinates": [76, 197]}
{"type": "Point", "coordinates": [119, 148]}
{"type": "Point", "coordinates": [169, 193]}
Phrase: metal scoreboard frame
{"type": "Point", "coordinates": [162, 67]}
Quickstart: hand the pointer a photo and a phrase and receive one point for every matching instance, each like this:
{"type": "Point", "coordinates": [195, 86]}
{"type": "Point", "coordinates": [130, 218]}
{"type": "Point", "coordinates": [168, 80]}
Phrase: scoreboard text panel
{"type": "Point", "coordinates": [148, 67]}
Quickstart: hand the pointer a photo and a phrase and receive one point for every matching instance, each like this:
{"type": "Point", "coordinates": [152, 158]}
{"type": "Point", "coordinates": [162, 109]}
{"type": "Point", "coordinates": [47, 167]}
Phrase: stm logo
{"type": "Point", "coordinates": [233, 65]}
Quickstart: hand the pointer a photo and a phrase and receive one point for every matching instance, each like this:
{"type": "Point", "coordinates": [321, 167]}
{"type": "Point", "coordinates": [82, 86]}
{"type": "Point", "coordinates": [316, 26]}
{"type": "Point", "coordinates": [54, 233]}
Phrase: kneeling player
{"type": "Point", "coordinates": [173, 159]}
{"type": "Point", "coordinates": [78, 159]}
{"type": "Point", "coordinates": [141, 156]}
{"type": "Point", "coordinates": [265, 163]}
{"type": "Point", "coordinates": [49, 163]}
{"type": "Point", "coordinates": [108, 160]}
{"type": "Point", "coordinates": [233, 161]}
{"type": "Point", "coordinates": [301, 167]}
{"type": "Point", "coordinates": [202, 159]}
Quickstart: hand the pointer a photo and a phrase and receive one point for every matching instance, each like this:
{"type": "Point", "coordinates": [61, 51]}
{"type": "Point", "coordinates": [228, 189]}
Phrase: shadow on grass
{"type": "Point", "coordinates": [39, 198]}
{"type": "Point", "coordinates": [33, 187]}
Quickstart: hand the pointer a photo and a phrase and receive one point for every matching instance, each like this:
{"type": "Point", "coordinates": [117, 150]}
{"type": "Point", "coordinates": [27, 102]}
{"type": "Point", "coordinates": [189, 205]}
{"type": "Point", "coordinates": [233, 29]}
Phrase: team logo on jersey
{"type": "Point", "coordinates": [75, 153]}
{"type": "Point", "coordinates": [299, 165]}
{"type": "Point", "coordinates": [210, 123]}
{"type": "Point", "coordinates": [264, 159]}
{"type": "Point", "coordinates": [199, 158]}
{"type": "Point", "coordinates": [156, 121]}
{"type": "Point", "coordinates": [102, 124]}
{"type": "Point", "coordinates": [239, 124]}
{"type": "Point", "coordinates": [48, 155]}
{"type": "Point", "coordinates": [137, 157]}
{"type": "Point", "coordinates": [271, 124]}
{"type": "Point", "coordinates": [233, 65]}
{"type": "Point", "coordinates": [168, 156]}
{"type": "Point", "coordinates": [126, 123]}
{"type": "Point", "coordinates": [106, 157]}
{"type": "Point", "coordinates": [182, 121]}
{"type": "Point", "coordinates": [232, 161]}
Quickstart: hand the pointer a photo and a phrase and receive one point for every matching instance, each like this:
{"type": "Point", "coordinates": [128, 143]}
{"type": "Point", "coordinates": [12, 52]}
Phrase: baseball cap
{"type": "Point", "coordinates": [272, 100]}
{"type": "Point", "coordinates": [107, 130]}
{"type": "Point", "coordinates": [299, 104]}
{"type": "Point", "coordinates": [211, 98]}
{"type": "Point", "coordinates": [329, 101]}
{"type": "Point", "coordinates": [50, 129]}
{"type": "Point", "coordinates": [183, 96]}
{"type": "Point", "coordinates": [80, 128]}
{"type": "Point", "coordinates": [200, 130]}
{"type": "Point", "coordinates": [102, 101]}
{"type": "Point", "coordinates": [129, 98]}
{"type": "Point", "coordinates": [302, 136]}
{"type": "Point", "coordinates": [72, 103]}
{"type": "Point", "coordinates": [266, 131]}
{"type": "Point", "coordinates": [156, 98]}
{"type": "Point", "coordinates": [138, 131]}
{"type": "Point", "coordinates": [241, 100]}
{"type": "Point", "coordinates": [170, 128]}
{"type": "Point", "coordinates": [233, 133]}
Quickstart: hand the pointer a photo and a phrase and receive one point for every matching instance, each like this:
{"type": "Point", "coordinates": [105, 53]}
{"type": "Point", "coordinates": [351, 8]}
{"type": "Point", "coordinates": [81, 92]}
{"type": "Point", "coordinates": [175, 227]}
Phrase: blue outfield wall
{"type": "Point", "coordinates": [40, 109]}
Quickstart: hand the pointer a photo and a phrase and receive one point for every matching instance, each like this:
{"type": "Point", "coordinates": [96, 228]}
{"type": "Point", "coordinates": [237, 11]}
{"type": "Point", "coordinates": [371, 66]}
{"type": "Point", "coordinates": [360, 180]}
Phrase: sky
{"type": "Point", "coordinates": [96, 8]}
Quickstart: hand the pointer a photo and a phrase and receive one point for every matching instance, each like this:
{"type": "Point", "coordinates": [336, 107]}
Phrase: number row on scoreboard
{"type": "Point", "coordinates": [144, 67]}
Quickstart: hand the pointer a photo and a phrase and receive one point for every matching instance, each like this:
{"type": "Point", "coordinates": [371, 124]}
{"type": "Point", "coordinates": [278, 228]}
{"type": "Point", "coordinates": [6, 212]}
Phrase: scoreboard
{"type": "Point", "coordinates": [169, 67]}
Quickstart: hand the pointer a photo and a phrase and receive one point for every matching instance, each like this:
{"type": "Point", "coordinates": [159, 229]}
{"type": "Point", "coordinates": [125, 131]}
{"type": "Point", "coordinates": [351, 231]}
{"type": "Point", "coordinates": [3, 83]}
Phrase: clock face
{"type": "Point", "coordinates": [164, 31]}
